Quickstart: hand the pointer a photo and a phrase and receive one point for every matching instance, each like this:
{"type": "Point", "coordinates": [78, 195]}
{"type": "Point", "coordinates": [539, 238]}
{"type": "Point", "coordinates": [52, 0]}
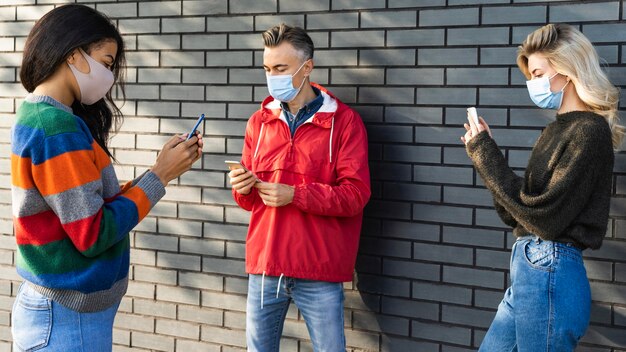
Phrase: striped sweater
{"type": "Point", "coordinates": [71, 216]}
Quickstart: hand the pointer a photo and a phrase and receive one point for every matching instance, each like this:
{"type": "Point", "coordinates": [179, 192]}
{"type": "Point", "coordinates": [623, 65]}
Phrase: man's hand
{"type": "Point", "coordinates": [242, 180]}
{"type": "Point", "coordinates": [275, 194]}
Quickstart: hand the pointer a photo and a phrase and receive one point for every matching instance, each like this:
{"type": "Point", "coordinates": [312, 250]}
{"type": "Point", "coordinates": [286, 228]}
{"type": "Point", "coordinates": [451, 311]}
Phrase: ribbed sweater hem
{"type": "Point", "coordinates": [85, 302]}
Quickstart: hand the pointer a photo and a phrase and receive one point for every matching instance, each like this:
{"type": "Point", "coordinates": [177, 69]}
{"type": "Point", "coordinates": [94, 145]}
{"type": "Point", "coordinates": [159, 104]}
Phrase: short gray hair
{"type": "Point", "coordinates": [295, 36]}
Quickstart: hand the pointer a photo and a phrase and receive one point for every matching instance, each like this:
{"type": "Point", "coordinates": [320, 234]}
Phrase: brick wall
{"type": "Point", "coordinates": [434, 255]}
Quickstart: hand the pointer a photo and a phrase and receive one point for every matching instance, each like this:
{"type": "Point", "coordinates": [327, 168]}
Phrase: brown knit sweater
{"type": "Point", "coordinates": [565, 193]}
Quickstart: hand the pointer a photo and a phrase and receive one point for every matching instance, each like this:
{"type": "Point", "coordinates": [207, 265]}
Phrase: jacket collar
{"type": "Point", "coordinates": [313, 105]}
{"type": "Point", "coordinates": [272, 110]}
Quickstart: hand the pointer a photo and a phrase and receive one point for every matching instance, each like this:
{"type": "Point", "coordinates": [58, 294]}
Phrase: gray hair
{"type": "Point", "coordinates": [295, 36]}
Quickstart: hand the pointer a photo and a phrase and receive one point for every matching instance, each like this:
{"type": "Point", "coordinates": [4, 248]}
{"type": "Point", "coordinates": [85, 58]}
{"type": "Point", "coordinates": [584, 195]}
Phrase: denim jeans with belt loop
{"type": "Point", "coordinates": [547, 307]}
{"type": "Point", "coordinates": [42, 325]}
{"type": "Point", "coordinates": [319, 302]}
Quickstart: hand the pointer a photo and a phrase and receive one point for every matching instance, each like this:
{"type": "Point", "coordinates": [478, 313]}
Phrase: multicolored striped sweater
{"type": "Point", "coordinates": [71, 216]}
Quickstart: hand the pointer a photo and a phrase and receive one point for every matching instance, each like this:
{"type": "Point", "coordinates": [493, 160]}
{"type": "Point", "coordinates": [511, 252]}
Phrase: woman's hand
{"type": "Point", "coordinates": [472, 129]}
{"type": "Point", "coordinates": [177, 156]}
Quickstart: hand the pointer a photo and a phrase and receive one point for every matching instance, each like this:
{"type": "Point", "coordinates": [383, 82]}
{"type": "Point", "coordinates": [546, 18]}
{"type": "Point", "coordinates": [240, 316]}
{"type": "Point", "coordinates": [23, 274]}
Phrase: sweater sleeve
{"type": "Point", "coordinates": [549, 212]}
{"type": "Point", "coordinates": [132, 182]}
{"type": "Point", "coordinates": [71, 181]}
{"type": "Point", "coordinates": [351, 192]}
{"type": "Point", "coordinates": [504, 215]}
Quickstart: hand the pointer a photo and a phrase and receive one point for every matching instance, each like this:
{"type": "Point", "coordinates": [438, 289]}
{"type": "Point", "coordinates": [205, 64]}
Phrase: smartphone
{"type": "Point", "coordinates": [193, 130]}
{"type": "Point", "coordinates": [233, 165]}
{"type": "Point", "coordinates": [474, 115]}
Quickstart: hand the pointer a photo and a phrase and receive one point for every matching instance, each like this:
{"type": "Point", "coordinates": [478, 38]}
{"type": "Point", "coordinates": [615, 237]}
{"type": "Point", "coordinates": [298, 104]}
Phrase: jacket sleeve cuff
{"type": "Point", "coordinates": [246, 201]}
{"type": "Point", "coordinates": [299, 196]}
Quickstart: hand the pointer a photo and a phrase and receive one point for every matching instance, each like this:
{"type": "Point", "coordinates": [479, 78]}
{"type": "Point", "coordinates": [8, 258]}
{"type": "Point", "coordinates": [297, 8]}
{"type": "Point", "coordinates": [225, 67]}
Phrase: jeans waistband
{"type": "Point", "coordinates": [559, 246]}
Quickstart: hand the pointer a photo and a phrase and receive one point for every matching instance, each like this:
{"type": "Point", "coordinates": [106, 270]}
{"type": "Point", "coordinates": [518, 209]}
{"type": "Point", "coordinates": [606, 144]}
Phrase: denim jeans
{"type": "Point", "coordinates": [39, 324]}
{"type": "Point", "coordinates": [547, 307]}
{"type": "Point", "coordinates": [321, 305]}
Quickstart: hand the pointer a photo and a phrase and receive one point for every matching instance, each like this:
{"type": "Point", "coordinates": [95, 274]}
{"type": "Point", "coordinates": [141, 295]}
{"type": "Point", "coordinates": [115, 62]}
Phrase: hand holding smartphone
{"type": "Point", "coordinates": [233, 165]}
{"type": "Point", "coordinates": [195, 127]}
{"type": "Point", "coordinates": [479, 125]}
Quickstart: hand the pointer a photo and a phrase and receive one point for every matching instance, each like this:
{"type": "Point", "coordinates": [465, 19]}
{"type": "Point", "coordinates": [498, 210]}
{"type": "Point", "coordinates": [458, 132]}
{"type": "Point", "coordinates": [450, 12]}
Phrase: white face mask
{"type": "Point", "coordinates": [541, 94]}
{"type": "Point", "coordinates": [281, 86]}
{"type": "Point", "coordinates": [95, 84]}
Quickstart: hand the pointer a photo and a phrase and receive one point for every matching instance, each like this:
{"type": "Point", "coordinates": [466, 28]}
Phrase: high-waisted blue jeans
{"type": "Point", "coordinates": [547, 307]}
{"type": "Point", "coordinates": [321, 305]}
{"type": "Point", "coordinates": [40, 324]}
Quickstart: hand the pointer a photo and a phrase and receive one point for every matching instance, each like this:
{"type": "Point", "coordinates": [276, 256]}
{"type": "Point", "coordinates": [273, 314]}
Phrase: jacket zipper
{"type": "Point", "coordinates": [292, 139]}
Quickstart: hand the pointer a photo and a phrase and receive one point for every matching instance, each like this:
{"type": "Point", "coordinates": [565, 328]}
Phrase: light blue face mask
{"type": "Point", "coordinates": [542, 96]}
{"type": "Point", "coordinates": [281, 86]}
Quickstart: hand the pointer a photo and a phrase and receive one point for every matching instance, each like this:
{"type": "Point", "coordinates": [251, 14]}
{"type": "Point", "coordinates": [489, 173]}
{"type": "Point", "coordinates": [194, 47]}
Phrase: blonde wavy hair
{"type": "Point", "coordinates": [571, 54]}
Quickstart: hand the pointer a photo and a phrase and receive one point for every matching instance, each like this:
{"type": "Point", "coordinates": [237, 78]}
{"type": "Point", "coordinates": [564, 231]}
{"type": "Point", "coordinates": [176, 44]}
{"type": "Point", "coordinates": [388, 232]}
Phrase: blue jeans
{"type": "Point", "coordinates": [547, 307]}
{"type": "Point", "coordinates": [321, 305]}
{"type": "Point", "coordinates": [39, 324]}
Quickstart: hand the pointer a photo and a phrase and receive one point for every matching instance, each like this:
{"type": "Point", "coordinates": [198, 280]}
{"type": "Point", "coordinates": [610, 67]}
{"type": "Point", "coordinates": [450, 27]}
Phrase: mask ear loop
{"type": "Point", "coordinates": [302, 84]}
{"type": "Point", "coordinates": [300, 68]}
{"type": "Point", "coordinates": [554, 75]}
{"type": "Point", "coordinates": [566, 83]}
{"type": "Point", "coordinates": [70, 64]}
{"type": "Point", "coordinates": [303, 79]}
{"type": "Point", "coordinates": [562, 91]}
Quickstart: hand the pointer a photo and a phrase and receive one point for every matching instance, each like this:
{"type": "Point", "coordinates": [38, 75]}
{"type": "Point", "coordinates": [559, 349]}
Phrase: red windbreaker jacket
{"type": "Point", "coordinates": [315, 237]}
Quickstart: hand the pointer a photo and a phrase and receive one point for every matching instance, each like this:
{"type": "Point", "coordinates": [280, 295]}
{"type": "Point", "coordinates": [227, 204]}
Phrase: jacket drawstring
{"type": "Point", "coordinates": [278, 287]}
{"type": "Point", "coordinates": [258, 143]}
{"type": "Point", "coordinates": [330, 141]}
{"type": "Point", "coordinates": [262, 285]}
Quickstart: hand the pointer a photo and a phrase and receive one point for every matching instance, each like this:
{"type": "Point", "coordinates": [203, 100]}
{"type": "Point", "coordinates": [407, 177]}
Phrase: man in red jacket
{"type": "Point", "coordinates": [307, 186]}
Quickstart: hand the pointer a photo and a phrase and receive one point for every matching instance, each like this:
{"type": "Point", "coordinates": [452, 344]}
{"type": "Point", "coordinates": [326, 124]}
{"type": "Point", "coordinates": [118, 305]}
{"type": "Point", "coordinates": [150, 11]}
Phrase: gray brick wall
{"type": "Point", "coordinates": [433, 258]}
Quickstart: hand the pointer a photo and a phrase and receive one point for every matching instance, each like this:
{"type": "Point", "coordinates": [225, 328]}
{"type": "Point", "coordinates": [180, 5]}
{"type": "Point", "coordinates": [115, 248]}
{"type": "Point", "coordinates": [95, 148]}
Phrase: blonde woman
{"type": "Point", "coordinates": [561, 206]}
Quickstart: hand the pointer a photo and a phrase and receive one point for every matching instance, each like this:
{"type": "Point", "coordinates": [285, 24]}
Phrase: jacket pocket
{"type": "Point", "coordinates": [31, 320]}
